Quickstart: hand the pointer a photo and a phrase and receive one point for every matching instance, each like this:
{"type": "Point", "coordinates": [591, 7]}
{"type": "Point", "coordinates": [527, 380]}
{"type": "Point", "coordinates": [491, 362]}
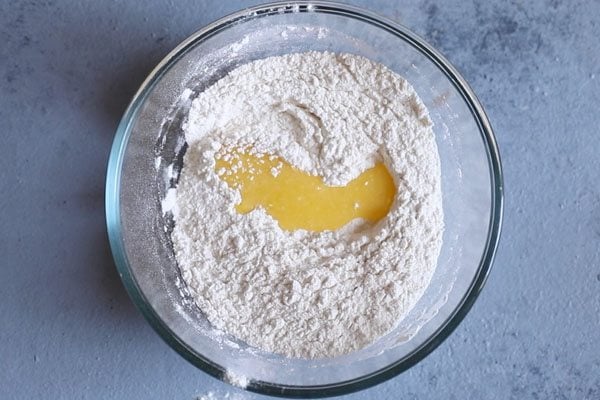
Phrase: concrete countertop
{"type": "Point", "coordinates": [69, 331]}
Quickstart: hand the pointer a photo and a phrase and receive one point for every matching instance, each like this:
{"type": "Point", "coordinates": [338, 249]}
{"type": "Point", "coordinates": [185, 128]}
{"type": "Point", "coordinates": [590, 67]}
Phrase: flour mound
{"type": "Point", "coordinates": [300, 293]}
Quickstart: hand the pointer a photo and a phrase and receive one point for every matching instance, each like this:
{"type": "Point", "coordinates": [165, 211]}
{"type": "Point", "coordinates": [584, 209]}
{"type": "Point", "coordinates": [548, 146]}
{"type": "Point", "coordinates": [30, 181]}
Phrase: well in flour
{"type": "Point", "coordinates": [301, 293]}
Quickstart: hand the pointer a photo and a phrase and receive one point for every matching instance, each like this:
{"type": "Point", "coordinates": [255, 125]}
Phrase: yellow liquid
{"type": "Point", "coordinates": [298, 200]}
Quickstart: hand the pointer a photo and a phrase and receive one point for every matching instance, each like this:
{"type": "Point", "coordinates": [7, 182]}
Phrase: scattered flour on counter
{"type": "Point", "coordinates": [236, 379]}
{"type": "Point", "coordinates": [221, 396]}
{"type": "Point", "coordinates": [209, 396]}
{"type": "Point", "coordinates": [300, 293]}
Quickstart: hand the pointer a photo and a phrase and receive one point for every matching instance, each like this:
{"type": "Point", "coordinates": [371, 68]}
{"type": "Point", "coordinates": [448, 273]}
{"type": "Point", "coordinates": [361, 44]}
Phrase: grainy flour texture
{"type": "Point", "coordinates": [300, 293]}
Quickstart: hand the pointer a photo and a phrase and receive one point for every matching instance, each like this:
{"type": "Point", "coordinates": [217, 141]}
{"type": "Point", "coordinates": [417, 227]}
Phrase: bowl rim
{"type": "Point", "coordinates": [113, 179]}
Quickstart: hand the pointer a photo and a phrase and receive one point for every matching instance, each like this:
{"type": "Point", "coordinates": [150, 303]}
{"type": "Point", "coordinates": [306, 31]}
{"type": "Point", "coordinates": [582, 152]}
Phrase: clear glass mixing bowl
{"type": "Point", "coordinates": [147, 156]}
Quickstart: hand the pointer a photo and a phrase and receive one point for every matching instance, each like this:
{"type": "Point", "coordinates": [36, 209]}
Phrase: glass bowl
{"type": "Point", "coordinates": [147, 155]}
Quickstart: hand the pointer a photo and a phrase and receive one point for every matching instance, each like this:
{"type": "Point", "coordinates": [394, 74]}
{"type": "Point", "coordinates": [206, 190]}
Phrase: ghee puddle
{"type": "Point", "coordinates": [298, 200]}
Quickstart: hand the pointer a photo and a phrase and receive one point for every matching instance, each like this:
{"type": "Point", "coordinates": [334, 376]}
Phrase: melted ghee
{"type": "Point", "coordinates": [298, 200]}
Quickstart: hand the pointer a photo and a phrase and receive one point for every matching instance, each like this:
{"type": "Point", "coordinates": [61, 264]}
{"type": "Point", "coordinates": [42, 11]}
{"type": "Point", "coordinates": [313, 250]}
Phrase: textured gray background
{"type": "Point", "coordinates": [69, 331]}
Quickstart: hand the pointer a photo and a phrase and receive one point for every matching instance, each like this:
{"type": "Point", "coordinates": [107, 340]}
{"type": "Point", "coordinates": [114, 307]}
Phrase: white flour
{"type": "Point", "coordinates": [300, 293]}
{"type": "Point", "coordinates": [221, 396]}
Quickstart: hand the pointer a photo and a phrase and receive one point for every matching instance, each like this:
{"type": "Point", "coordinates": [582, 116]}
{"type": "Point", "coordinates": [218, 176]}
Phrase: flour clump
{"type": "Point", "coordinates": [301, 293]}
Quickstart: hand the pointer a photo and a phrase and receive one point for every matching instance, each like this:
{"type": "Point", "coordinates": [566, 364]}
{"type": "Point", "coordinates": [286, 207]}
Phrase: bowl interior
{"type": "Point", "coordinates": [149, 159]}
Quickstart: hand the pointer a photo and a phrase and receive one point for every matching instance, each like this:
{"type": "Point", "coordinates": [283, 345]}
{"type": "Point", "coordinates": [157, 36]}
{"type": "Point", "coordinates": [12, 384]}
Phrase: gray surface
{"type": "Point", "coordinates": [67, 71]}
